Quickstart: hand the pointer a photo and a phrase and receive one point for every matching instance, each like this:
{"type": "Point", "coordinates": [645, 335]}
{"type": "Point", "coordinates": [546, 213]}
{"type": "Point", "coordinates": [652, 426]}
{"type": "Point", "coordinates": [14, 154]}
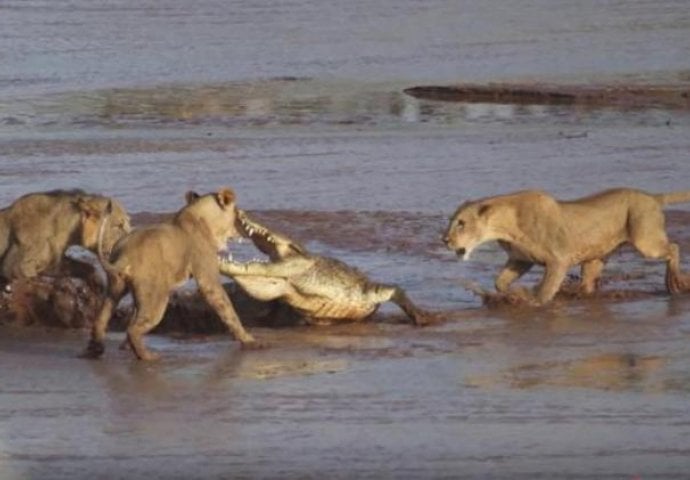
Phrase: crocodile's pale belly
{"type": "Point", "coordinates": [339, 308]}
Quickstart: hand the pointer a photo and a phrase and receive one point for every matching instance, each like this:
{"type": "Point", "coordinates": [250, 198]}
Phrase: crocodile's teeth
{"type": "Point", "coordinates": [250, 230]}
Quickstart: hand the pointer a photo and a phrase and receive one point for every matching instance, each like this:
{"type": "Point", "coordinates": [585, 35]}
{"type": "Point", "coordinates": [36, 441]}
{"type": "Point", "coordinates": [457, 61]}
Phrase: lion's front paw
{"type": "Point", "coordinates": [94, 350]}
{"type": "Point", "coordinates": [148, 356]}
{"type": "Point", "coordinates": [425, 319]}
{"type": "Point", "coordinates": [254, 345]}
{"type": "Point", "coordinates": [677, 283]}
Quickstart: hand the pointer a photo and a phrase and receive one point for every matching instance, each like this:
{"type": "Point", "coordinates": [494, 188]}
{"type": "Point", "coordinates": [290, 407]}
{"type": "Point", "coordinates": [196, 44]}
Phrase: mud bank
{"type": "Point", "coordinates": [415, 237]}
{"type": "Point", "coordinates": [672, 96]}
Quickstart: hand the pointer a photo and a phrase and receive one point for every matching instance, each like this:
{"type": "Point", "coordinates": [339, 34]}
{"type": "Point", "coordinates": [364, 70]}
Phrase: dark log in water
{"type": "Point", "coordinates": [616, 95]}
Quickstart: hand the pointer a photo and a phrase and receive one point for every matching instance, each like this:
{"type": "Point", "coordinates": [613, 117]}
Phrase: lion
{"type": "Point", "coordinates": [152, 261]}
{"type": "Point", "coordinates": [535, 228]}
{"type": "Point", "coordinates": [37, 229]}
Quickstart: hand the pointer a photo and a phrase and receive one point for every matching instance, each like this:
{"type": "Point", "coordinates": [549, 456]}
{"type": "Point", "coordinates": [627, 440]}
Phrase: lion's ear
{"type": "Point", "coordinates": [225, 197]}
{"type": "Point", "coordinates": [191, 196]}
{"type": "Point", "coordinates": [484, 209]}
{"type": "Point", "coordinates": [87, 208]}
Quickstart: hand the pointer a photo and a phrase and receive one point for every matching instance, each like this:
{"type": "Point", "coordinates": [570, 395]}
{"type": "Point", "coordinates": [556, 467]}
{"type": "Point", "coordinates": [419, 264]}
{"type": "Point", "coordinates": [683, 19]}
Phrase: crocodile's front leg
{"type": "Point", "coordinates": [284, 269]}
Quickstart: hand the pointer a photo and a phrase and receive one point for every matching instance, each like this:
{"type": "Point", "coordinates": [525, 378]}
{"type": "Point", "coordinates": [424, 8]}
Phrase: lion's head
{"type": "Point", "coordinates": [468, 228]}
{"type": "Point", "coordinates": [218, 211]}
{"type": "Point", "coordinates": [92, 210]}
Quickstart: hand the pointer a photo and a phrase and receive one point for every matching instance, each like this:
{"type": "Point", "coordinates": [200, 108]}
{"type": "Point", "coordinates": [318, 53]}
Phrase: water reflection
{"type": "Point", "coordinates": [607, 371]}
{"type": "Point", "coordinates": [294, 102]}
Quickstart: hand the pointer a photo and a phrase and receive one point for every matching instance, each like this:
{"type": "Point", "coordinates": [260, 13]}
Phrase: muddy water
{"type": "Point", "coordinates": [584, 391]}
{"type": "Point", "coordinates": [310, 126]}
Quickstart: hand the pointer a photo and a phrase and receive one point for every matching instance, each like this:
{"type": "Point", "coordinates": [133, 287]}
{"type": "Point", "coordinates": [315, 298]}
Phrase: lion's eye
{"type": "Point", "coordinates": [460, 224]}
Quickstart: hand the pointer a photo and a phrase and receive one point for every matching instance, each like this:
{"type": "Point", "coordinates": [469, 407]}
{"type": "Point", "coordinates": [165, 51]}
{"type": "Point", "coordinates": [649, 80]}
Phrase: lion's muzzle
{"type": "Point", "coordinates": [460, 252]}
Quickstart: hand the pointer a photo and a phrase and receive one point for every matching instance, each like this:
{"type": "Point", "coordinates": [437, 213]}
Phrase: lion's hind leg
{"type": "Point", "coordinates": [676, 281]}
{"type": "Point", "coordinates": [590, 271]}
{"type": "Point", "coordinates": [26, 261]}
{"type": "Point", "coordinates": [96, 346]}
{"type": "Point", "coordinates": [150, 307]}
{"type": "Point", "coordinates": [649, 238]}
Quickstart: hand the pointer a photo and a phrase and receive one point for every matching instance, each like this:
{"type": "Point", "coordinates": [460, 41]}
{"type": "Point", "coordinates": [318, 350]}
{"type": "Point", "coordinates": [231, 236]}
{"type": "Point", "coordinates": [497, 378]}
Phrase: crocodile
{"type": "Point", "coordinates": [323, 290]}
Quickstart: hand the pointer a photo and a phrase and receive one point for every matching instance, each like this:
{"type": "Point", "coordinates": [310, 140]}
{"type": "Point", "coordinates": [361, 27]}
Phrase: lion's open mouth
{"type": "Point", "coordinates": [460, 252]}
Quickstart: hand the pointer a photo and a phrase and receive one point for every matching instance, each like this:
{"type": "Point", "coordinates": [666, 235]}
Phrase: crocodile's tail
{"type": "Point", "coordinates": [673, 197]}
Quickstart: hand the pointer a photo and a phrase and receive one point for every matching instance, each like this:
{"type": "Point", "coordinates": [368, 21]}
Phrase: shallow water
{"type": "Point", "coordinates": [562, 393]}
{"type": "Point", "coordinates": [82, 44]}
{"type": "Point", "coordinates": [309, 125]}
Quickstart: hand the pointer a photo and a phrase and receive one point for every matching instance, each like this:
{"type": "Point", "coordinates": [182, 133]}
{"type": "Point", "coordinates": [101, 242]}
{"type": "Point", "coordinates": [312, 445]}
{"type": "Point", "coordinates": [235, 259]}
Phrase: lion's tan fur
{"type": "Point", "coordinates": [151, 261]}
{"type": "Point", "coordinates": [534, 228]}
{"type": "Point", "coordinates": [37, 229]}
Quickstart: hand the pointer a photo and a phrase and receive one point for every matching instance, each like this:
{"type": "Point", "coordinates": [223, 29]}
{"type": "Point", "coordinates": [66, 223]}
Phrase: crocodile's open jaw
{"type": "Point", "coordinates": [273, 244]}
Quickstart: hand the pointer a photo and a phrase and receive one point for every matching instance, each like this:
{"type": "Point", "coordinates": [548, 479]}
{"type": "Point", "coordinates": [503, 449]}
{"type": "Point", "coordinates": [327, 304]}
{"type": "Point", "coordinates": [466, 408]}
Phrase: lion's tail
{"type": "Point", "coordinates": [102, 256]}
{"type": "Point", "coordinates": [673, 197]}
